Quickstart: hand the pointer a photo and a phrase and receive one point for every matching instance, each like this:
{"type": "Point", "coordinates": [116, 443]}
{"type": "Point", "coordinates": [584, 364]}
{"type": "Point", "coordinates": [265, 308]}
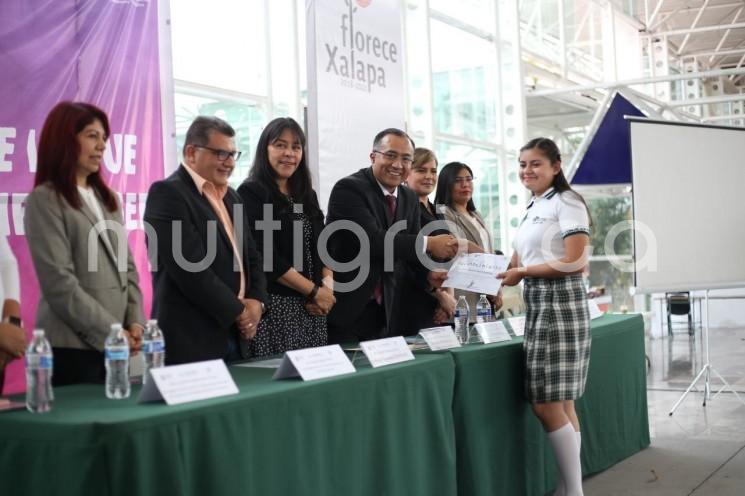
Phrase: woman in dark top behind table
{"type": "Point", "coordinates": [420, 309]}
{"type": "Point", "coordinates": [300, 291]}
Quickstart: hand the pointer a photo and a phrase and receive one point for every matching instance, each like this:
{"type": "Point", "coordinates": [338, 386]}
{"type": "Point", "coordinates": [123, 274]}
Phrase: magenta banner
{"type": "Point", "coordinates": [100, 51]}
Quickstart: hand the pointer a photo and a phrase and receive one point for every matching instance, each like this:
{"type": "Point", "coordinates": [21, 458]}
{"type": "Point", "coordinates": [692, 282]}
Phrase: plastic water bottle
{"type": "Point", "coordinates": [483, 310]}
{"type": "Point", "coordinates": [153, 347]}
{"type": "Point", "coordinates": [39, 393]}
{"type": "Point", "coordinates": [117, 363]}
{"type": "Point", "coordinates": [461, 320]}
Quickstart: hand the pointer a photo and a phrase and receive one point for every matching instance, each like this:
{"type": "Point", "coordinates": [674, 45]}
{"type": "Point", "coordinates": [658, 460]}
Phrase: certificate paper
{"type": "Point", "coordinates": [477, 272]}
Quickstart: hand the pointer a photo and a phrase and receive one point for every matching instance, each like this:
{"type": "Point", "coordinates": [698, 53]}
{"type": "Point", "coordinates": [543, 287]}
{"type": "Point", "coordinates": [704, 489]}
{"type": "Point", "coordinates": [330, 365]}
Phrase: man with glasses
{"type": "Point", "coordinates": [374, 201]}
{"type": "Point", "coordinates": [209, 290]}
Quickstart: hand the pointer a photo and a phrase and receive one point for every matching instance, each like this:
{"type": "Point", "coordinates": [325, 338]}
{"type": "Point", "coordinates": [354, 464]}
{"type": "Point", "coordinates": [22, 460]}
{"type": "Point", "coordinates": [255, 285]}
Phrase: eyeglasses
{"type": "Point", "coordinates": [222, 155]}
{"type": "Point", "coordinates": [395, 157]}
{"type": "Point", "coordinates": [464, 180]}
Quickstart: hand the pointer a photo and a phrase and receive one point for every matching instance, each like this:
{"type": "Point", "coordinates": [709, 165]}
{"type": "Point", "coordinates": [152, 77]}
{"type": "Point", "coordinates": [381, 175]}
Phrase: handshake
{"type": "Point", "coordinates": [445, 246]}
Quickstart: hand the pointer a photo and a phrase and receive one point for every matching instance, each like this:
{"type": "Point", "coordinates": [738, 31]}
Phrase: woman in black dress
{"type": "Point", "coordinates": [422, 309]}
{"type": "Point", "coordinates": [300, 287]}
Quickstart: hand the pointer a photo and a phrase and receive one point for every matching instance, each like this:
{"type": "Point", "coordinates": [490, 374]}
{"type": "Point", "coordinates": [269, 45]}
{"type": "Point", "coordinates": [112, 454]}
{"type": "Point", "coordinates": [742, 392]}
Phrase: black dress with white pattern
{"type": "Point", "coordinates": [286, 325]}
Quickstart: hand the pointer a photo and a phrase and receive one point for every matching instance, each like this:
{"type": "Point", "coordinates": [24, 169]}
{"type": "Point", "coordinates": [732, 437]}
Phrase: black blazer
{"type": "Point", "coordinates": [358, 198]}
{"type": "Point", "coordinates": [255, 195]}
{"type": "Point", "coordinates": [197, 308]}
{"type": "Point", "coordinates": [414, 306]}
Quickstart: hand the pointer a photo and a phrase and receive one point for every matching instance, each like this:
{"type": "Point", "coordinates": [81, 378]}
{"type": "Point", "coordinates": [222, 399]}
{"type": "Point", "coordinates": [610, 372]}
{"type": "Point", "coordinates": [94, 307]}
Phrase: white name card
{"type": "Point", "coordinates": [386, 351]}
{"type": "Point", "coordinates": [314, 363]}
{"type": "Point", "coordinates": [595, 311]}
{"type": "Point", "coordinates": [492, 332]}
{"type": "Point", "coordinates": [440, 338]}
{"type": "Point", "coordinates": [518, 325]}
{"type": "Point", "coordinates": [178, 384]}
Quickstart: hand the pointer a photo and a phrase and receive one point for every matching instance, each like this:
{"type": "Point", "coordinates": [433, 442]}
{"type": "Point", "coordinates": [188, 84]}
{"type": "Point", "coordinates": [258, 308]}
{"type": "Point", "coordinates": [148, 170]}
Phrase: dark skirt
{"type": "Point", "coordinates": [557, 339]}
{"type": "Point", "coordinates": [286, 325]}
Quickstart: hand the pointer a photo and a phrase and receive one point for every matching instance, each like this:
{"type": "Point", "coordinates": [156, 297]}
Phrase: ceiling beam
{"type": "Point", "coordinates": [689, 10]}
{"type": "Point", "coordinates": [715, 53]}
{"type": "Point", "coordinates": [664, 18]}
{"type": "Point", "coordinates": [655, 12]}
{"type": "Point", "coordinates": [702, 29]}
{"type": "Point", "coordinates": [720, 58]}
{"type": "Point", "coordinates": [731, 117]}
{"type": "Point", "coordinates": [711, 100]}
{"type": "Point", "coordinates": [724, 37]}
{"type": "Point", "coordinates": [695, 23]}
{"type": "Point", "coordinates": [739, 64]}
{"type": "Point", "coordinates": [632, 82]}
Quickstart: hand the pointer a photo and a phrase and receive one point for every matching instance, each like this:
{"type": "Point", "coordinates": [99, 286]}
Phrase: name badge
{"type": "Point", "coordinates": [440, 338]}
{"type": "Point", "coordinates": [386, 351]}
{"type": "Point", "coordinates": [518, 325]}
{"type": "Point", "coordinates": [314, 363]}
{"type": "Point", "coordinates": [492, 332]}
{"type": "Point", "coordinates": [177, 384]}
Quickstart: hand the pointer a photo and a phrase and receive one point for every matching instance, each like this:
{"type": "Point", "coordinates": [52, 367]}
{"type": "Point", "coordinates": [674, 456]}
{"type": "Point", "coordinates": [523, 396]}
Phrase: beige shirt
{"type": "Point", "coordinates": [215, 196]}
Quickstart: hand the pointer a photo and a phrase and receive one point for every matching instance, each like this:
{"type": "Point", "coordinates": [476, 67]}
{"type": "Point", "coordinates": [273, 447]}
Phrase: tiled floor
{"type": "Point", "coordinates": [698, 451]}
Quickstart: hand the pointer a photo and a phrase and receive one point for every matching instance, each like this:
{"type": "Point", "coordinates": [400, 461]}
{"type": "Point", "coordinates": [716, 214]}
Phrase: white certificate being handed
{"type": "Point", "coordinates": [477, 272]}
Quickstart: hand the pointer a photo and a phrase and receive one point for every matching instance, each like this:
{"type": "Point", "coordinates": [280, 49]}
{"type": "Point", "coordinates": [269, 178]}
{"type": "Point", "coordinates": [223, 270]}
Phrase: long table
{"type": "Point", "coordinates": [378, 431]}
{"type": "Point", "coordinates": [444, 424]}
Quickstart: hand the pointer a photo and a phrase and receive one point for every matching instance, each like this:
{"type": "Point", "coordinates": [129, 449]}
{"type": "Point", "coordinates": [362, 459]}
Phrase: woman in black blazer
{"type": "Point", "coordinates": [300, 290]}
{"type": "Point", "coordinates": [420, 309]}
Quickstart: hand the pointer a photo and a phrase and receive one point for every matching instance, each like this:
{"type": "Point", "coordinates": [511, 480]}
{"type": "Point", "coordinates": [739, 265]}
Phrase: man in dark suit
{"type": "Point", "coordinates": [373, 201]}
{"type": "Point", "coordinates": [208, 288]}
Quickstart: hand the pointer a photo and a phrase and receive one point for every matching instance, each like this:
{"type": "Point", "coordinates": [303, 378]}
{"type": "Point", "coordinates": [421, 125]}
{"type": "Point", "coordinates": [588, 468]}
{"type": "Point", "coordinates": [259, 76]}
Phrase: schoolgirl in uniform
{"type": "Point", "coordinates": [550, 251]}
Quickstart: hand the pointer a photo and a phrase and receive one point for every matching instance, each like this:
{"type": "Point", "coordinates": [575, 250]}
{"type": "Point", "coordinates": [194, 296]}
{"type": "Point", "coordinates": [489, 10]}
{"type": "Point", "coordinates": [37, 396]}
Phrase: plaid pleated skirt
{"type": "Point", "coordinates": [557, 339]}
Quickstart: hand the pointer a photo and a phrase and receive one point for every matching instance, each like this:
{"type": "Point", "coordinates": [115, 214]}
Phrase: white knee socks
{"type": "Point", "coordinates": [566, 445]}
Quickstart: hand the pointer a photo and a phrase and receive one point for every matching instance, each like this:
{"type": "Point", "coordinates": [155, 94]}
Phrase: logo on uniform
{"type": "Point", "coordinates": [538, 220]}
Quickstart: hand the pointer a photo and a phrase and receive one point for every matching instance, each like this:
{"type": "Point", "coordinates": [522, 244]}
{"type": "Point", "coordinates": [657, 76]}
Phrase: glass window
{"type": "Point", "coordinates": [302, 53]}
{"type": "Point", "coordinates": [284, 63]}
{"type": "Point", "coordinates": [616, 277]}
{"type": "Point", "coordinates": [616, 283]}
{"type": "Point", "coordinates": [606, 213]}
{"type": "Point", "coordinates": [484, 164]}
{"type": "Point", "coordinates": [221, 45]}
{"type": "Point", "coordinates": [247, 119]}
{"type": "Point", "coordinates": [477, 13]}
{"type": "Point", "coordinates": [417, 68]}
{"type": "Point", "coordinates": [464, 83]}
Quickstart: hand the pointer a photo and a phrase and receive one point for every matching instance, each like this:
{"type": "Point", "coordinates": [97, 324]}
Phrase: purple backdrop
{"type": "Point", "coordinates": [100, 51]}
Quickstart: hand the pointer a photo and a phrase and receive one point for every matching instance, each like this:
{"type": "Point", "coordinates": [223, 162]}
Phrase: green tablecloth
{"type": "Point", "coordinates": [501, 446]}
{"type": "Point", "coordinates": [385, 431]}
{"type": "Point", "coordinates": [406, 429]}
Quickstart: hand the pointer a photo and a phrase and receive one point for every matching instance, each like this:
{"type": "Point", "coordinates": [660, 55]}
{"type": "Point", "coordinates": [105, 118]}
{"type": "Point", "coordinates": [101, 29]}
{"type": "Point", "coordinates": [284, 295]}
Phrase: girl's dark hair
{"type": "Point", "coordinates": [551, 152]}
{"type": "Point", "coordinates": [445, 183]}
{"type": "Point", "coordinates": [59, 152]}
{"type": "Point", "coordinates": [299, 184]}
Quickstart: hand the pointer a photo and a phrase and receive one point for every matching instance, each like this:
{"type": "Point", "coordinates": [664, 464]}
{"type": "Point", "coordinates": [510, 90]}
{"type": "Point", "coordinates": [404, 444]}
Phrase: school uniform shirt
{"type": "Point", "coordinates": [549, 219]}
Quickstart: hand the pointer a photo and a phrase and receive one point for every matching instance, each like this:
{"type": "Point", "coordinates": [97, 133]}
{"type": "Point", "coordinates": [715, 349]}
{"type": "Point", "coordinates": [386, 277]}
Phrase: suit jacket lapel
{"type": "Point", "coordinates": [113, 247]}
{"type": "Point", "coordinates": [467, 226]}
{"type": "Point", "coordinates": [378, 199]}
{"type": "Point", "coordinates": [205, 205]}
{"type": "Point", "coordinates": [100, 232]}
